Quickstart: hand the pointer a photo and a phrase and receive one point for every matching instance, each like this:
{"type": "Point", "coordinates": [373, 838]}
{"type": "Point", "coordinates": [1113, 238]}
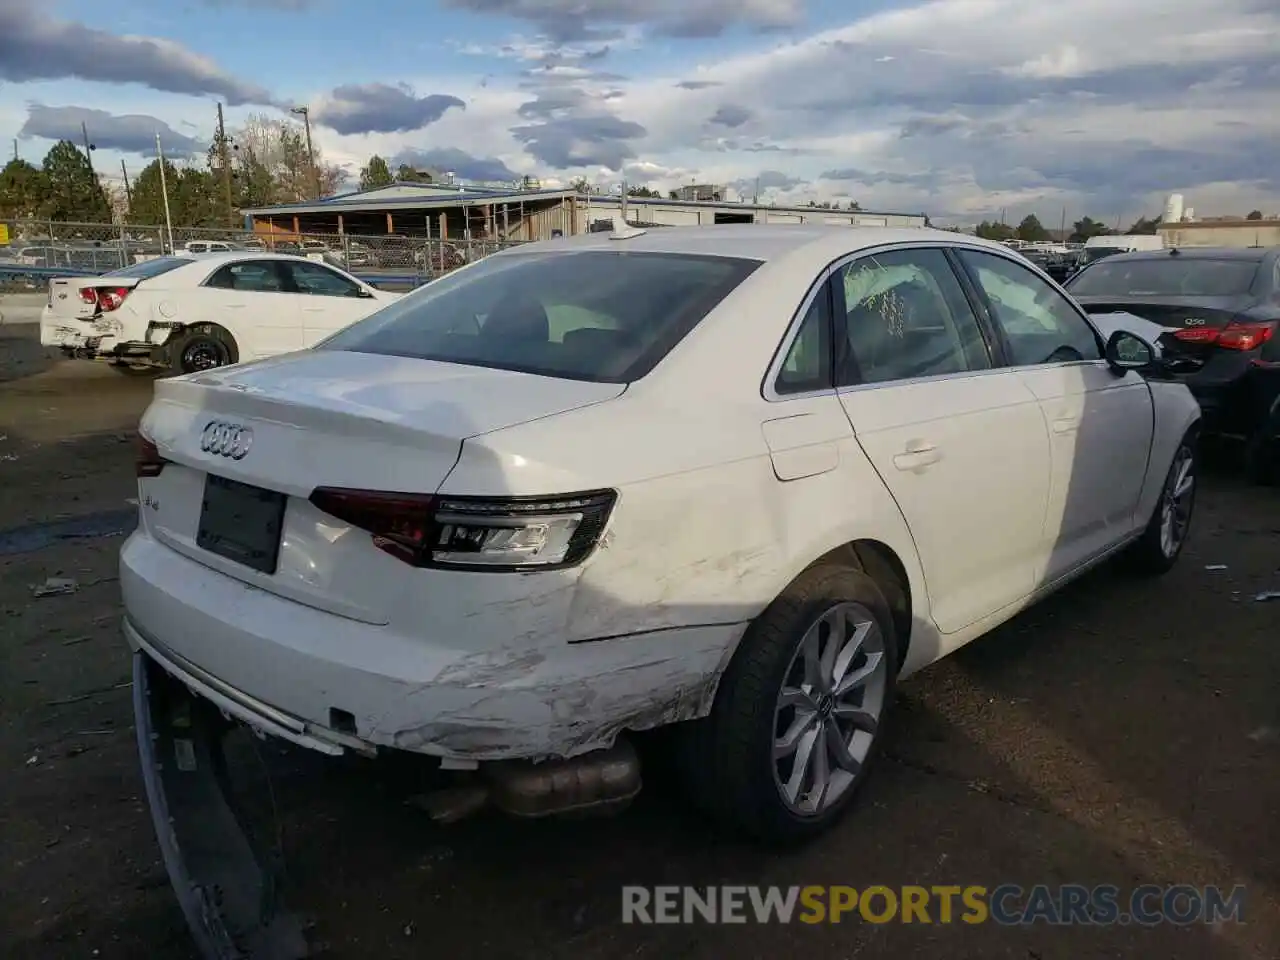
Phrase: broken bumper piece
{"type": "Point", "coordinates": [228, 890]}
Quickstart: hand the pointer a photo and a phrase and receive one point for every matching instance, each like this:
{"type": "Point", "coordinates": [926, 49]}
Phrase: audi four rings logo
{"type": "Point", "coordinates": [226, 439]}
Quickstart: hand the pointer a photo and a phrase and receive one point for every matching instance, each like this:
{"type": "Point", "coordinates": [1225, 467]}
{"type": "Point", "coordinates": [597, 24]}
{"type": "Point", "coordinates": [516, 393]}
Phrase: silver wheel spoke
{"type": "Point", "coordinates": [839, 749]}
{"type": "Point", "coordinates": [852, 681]}
{"type": "Point", "coordinates": [813, 661]}
{"type": "Point", "coordinates": [860, 719]}
{"type": "Point", "coordinates": [821, 765]}
{"type": "Point", "coordinates": [835, 642]}
{"type": "Point", "coordinates": [798, 698]}
{"type": "Point", "coordinates": [847, 655]}
{"type": "Point", "coordinates": [789, 742]}
{"type": "Point", "coordinates": [804, 755]}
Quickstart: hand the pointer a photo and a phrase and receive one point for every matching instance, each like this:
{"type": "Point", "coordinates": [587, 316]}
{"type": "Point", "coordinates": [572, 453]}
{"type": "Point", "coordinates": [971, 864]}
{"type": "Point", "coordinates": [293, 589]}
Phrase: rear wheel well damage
{"type": "Point", "coordinates": [879, 561]}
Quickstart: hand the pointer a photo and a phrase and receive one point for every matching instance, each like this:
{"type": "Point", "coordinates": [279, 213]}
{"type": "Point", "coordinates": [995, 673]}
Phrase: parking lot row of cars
{"type": "Point", "coordinates": [377, 253]}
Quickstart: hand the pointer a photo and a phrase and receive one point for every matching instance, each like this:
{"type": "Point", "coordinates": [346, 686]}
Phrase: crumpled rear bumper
{"type": "Point", "coordinates": [228, 891]}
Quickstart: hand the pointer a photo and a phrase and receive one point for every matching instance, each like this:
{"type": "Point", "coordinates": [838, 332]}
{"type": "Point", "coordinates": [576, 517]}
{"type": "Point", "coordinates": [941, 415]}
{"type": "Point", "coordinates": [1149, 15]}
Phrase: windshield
{"type": "Point", "coordinates": [1179, 276]}
{"type": "Point", "coordinates": [150, 268]}
{"type": "Point", "coordinates": [603, 316]}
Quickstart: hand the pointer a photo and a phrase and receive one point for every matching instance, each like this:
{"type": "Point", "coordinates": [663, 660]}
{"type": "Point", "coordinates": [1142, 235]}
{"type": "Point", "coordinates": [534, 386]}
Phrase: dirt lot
{"type": "Point", "coordinates": [1124, 732]}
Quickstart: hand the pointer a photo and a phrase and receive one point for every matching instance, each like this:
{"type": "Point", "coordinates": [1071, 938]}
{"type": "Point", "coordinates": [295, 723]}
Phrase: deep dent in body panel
{"type": "Point", "coordinates": [515, 713]}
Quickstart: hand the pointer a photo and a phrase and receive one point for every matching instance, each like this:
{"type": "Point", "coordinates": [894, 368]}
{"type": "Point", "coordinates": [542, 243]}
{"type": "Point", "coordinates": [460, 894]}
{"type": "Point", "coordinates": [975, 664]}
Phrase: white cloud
{"type": "Point", "coordinates": [954, 107]}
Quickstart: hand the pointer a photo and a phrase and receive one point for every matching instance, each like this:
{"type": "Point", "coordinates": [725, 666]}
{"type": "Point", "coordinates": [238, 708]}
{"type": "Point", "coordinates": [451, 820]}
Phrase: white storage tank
{"type": "Point", "coordinates": [1173, 209]}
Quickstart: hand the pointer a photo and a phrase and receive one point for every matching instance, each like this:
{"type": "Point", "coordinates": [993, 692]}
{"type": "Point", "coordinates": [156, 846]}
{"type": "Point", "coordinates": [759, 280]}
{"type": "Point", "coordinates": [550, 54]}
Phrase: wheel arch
{"type": "Point", "coordinates": [208, 328]}
{"type": "Point", "coordinates": [881, 563]}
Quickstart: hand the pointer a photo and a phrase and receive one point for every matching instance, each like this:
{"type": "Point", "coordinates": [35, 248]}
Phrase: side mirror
{"type": "Point", "coordinates": [364, 294]}
{"type": "Point", "coordinates": [1127, 351]}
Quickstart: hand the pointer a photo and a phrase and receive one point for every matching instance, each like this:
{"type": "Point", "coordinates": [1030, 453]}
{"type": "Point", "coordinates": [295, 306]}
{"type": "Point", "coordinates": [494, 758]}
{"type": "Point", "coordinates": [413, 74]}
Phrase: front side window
{"type": "Point", "coordinates": [311, 278]}
{"type": "Point", "coordinates": [906, 317]}
{"type": "Point", "coordinates": [603, 316]}
{"type": "Point", "coordinates": [1039, 324]}
{"type": "Point", "coordinates": [807, 366]}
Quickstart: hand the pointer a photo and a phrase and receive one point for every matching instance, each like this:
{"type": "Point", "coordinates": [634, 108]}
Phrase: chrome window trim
{"type": "Point", "coordinates": [793, 329]}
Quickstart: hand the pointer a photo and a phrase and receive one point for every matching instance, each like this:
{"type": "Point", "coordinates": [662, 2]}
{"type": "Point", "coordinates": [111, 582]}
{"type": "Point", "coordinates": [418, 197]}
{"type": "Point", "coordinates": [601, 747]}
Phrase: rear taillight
{"type": "Point", "coordinates": [1234, 336]}
{"type": "Point", "coordinates": [105, 299]}
{"type": "Point", "coordinates": [1198, 335]}
{"type": "Point", "coordinates": [1245, 336]}
{"type": "Point", "coordinates": [474, 533]}
{"type": "Point", "coordinates": [149, 463]}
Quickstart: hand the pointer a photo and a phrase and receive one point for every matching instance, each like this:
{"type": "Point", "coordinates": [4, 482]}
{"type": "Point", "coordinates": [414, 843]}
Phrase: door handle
{"type": "Point", "coordinates": [1066, 425]}
{"type": "Point", "coordinates": [918, 456]}
{"type": "Point", "coordinates": [313, 310]}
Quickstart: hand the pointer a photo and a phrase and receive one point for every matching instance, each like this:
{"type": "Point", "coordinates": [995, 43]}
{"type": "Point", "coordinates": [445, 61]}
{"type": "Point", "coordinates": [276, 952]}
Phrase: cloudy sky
{"type": "Point", "coordinates": [957, 108]}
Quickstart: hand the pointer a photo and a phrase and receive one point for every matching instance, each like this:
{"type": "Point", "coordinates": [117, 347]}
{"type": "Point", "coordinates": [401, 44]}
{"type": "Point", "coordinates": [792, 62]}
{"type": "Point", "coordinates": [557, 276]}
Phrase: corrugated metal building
{"type": "Point", "coordinates": [440, 211]}
{"type": "Point", "coordinates": [1221, 233]}
{"type": "Point", "coordinates": [692, 213]}
{"type": "Point", "coordinates": [445, 211]}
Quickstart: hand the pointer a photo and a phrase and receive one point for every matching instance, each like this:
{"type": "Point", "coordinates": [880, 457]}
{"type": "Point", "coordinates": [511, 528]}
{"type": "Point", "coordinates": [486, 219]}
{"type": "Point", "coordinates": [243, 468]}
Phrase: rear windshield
{"type": "Point", "coordinates": [603, 316]}
{"type": "Point", "coordinates": [1180, 276]}
{"type": "Point", "coordinates": [150, 268]}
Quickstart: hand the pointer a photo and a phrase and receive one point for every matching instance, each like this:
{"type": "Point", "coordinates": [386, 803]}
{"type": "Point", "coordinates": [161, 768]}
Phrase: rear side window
{"type": "Point", "coordinates": [147, 269]}
{"type": "Point", "coordinates": [1169, 276]}
{"type": "Point", "coordinates": [603, 316]}
{"type": "Point", "coordinates": [252, 276]}
{"type": "Point", "coordinates": [807, 366]}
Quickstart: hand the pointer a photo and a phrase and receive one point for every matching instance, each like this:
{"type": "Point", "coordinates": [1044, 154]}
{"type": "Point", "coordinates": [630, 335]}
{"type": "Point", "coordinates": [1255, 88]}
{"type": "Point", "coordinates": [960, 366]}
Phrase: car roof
{"type": "Point", "coordinates": [756, 241]}
{"type": "Point", "coordinates": [1246, 254]}
{"type": "Point", "coordinates": [232, 256]}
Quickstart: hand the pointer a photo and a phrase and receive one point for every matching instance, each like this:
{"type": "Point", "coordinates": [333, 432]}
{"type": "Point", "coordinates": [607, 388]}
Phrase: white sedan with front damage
{"type": "Point", "coordinates": [736, 479]}
{"type": "Point", "coordinates": [191, 312]}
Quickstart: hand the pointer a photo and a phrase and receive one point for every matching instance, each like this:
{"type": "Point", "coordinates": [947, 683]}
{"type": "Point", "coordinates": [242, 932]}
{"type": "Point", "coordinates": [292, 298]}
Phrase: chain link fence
{"type": "Point", "coordinates": [99, 247]}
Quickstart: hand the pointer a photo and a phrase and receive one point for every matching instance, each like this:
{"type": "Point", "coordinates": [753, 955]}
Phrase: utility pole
{"type": "Point", "coordinates": [224, 156]}
{"type": "Point", "coordinates": [1062, 230]}
{"type": "Point", "coordinates": [15, 148]}
{"type": "Point", "coordinates": [88, 147]}
{"type": "Point", "coordinates": [164, 190]}
{"type": "Point", "coordinates": [305, 113]}
{"type": "Point", "coordinates": [128, 193]}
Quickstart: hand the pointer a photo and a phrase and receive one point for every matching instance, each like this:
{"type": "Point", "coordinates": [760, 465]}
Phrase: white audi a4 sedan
{"type": "Point", "coordinates": [189, 312]}
{"type": "Point", "coordinates": [737, 480]}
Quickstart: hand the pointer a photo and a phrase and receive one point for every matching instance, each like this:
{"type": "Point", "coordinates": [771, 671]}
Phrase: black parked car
{"type": "Point", "coordinates": [1222, 309]}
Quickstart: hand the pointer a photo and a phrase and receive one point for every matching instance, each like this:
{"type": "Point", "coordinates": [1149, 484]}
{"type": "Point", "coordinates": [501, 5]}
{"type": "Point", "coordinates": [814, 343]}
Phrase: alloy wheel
{"type": "Point", "coordinates": [1177, 501]}
{"type": "Point", "coordinates": [829, 709]}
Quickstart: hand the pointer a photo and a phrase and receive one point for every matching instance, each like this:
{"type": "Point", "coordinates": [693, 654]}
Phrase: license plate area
{"type": "Point", "coordinates": [241, 522]}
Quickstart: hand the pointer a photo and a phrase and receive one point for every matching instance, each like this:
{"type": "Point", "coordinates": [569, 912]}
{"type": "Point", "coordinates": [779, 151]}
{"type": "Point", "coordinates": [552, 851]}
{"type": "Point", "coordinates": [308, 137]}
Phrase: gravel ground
{"type": "Point", "coordinates": [1123, 732]}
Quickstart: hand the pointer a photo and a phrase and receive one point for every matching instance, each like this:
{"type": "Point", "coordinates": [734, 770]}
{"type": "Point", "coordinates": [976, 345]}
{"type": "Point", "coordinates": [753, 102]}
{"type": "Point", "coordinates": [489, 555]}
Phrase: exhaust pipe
{"type": "Point", "coordinates": [603, 781]}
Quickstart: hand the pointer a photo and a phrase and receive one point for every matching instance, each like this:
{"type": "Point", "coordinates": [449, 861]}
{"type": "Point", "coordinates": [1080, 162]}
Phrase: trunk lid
{"type": "Point", "coordinates": [66, 302]}
{"type": "Point", "coordinates": [321, 418]}
{"type": "Point", "coordinates": [1176, 314]}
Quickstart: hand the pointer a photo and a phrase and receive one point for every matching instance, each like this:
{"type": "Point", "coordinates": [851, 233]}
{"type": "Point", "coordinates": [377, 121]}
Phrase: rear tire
{"type": "Point", "coordinates": [800, 713]}
{"type": "Point", "coordinates": [204, 346]}
{"type": "Point", "coordinates": [1160, 545]}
